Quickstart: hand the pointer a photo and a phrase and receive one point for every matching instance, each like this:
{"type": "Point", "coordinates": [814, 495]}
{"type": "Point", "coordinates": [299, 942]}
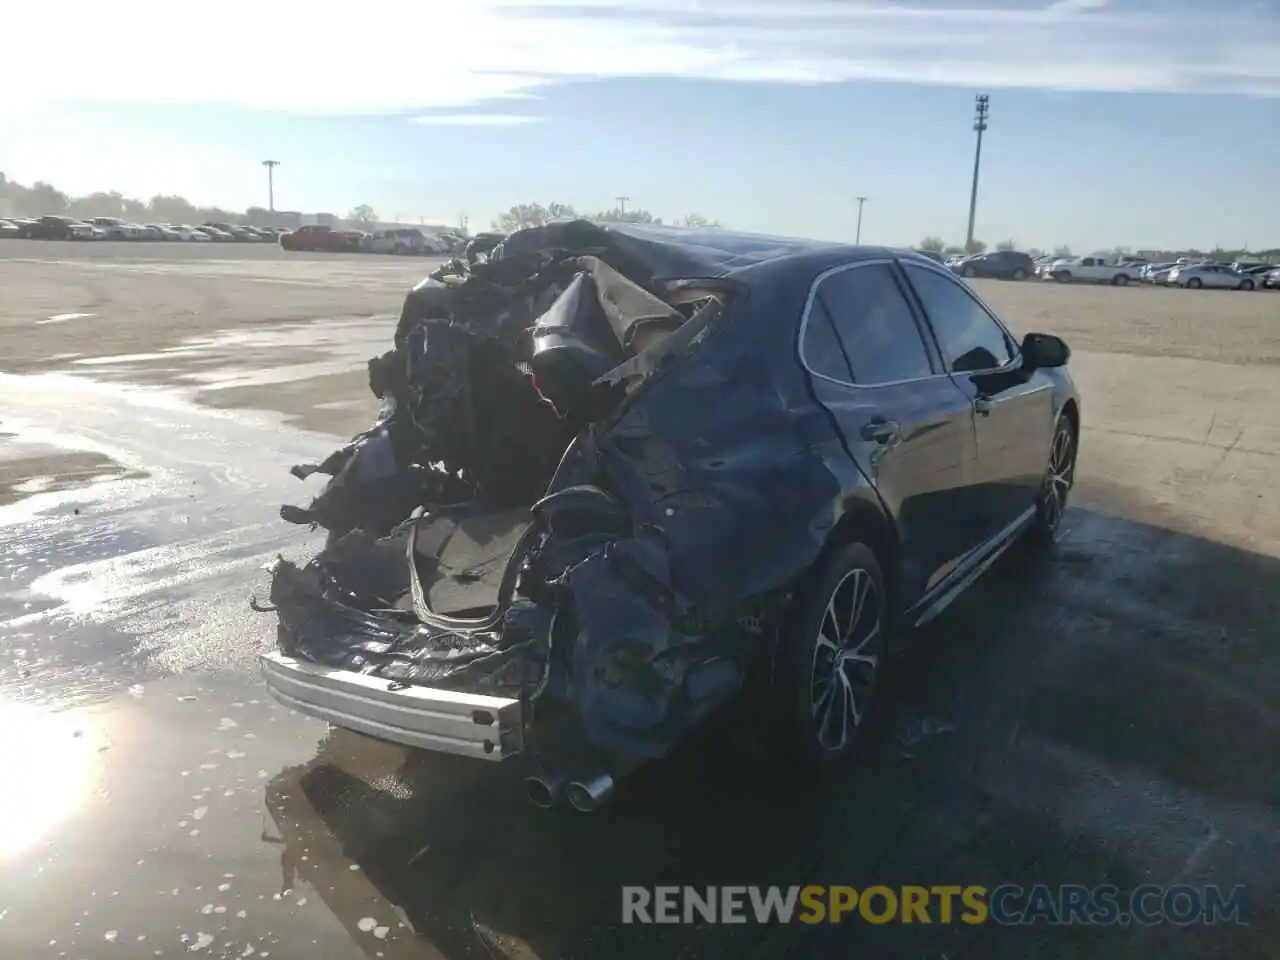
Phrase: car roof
{"type": "Point", "coordinates": [670, 253]}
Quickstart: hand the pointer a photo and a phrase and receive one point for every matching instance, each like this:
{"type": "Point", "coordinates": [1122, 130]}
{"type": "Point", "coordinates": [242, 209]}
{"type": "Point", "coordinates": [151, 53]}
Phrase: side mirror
{"type": "Point", "coordinates": [1044, 350]}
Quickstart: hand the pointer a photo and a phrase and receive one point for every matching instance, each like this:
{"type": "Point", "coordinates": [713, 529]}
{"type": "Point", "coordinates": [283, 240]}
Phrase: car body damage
{"type": "Point", "coordinates": [594, 441]}
{"type": "Point", "coordinates": [606, 483]}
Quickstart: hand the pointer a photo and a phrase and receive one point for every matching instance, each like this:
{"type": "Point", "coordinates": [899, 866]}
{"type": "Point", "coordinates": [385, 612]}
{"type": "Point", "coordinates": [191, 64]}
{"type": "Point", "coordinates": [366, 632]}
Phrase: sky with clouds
{"type": "Point", "coordinates": [1112, 122]}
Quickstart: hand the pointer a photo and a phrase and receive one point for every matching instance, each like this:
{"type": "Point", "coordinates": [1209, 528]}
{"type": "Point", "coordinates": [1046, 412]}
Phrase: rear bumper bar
{"type": "Point", "coordinates": [443, 721]}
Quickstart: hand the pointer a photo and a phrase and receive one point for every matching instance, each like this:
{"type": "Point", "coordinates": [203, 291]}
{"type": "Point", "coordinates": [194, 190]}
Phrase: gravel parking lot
{"type": "Point", "coordinates": [1104, 714]}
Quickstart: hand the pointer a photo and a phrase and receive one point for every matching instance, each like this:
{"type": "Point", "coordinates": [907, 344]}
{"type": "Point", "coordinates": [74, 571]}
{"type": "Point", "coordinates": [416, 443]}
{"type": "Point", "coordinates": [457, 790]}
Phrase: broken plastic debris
{"type": "Point", "coordinates": [367, 924]}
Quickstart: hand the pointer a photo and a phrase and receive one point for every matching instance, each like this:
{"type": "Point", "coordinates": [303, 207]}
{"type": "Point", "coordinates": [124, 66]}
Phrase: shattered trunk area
{"type": "Point", "coordinates": [506, 526]}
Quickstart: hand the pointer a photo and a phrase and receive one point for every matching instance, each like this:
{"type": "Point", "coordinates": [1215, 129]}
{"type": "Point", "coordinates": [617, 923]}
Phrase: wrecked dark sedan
{"type": "Point", "coordinates": [627, 479]}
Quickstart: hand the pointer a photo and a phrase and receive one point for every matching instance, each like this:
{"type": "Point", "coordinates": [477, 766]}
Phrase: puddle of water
{"type": "Point", "coordinates": [53, 760]}
{"type": "Point", "coordinates": [120, 358]}
{"type": "Point", "coordinates": [64, 317]}
{"type": "Point", "coordinates": [262, 356]}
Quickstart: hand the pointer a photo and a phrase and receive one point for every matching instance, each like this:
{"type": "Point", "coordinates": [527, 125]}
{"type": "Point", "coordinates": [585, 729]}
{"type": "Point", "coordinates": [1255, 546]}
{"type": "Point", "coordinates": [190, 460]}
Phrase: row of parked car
{"type": "Point", "coordinates": [113, 228]}
{"type": "Point", "coordinates": [1183, 272]}
{"type": "Point", "coordinates": [1187, 272]}
{"type": "Point", "coordinates": [407, 241]}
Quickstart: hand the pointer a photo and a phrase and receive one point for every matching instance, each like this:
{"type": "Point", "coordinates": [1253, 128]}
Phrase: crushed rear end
{"type": "Point", "coordinates": [544, 547]}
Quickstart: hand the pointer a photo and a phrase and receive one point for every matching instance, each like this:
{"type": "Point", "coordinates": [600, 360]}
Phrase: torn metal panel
{"type": "Point", "coordinates": [615, 469]}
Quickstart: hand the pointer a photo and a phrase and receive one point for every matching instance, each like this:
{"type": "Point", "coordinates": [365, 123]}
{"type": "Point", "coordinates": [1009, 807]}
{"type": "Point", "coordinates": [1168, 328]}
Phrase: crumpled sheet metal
{"type": "Point", "coordinates": [727, 507]}
{"type": "Point", "coordinates": [728, 470]}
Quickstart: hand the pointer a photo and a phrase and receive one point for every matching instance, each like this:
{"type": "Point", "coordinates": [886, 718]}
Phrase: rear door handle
{"type": "Point", "coordinates": [983, 406]}
{"type": "Point", "coordinates": [880, 430]}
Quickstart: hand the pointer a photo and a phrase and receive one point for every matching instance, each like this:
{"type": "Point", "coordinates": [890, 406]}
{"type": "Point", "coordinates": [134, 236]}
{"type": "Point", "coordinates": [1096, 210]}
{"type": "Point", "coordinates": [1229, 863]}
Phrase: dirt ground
{"type": "Point", "coordinates": [1106, 713]}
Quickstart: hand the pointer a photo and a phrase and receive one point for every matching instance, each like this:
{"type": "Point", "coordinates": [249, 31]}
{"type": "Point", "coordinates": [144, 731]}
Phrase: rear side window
{"type": "Point", "coordinates": [874, 325]}
{"type": "Point", "coordinates": [821, 348]}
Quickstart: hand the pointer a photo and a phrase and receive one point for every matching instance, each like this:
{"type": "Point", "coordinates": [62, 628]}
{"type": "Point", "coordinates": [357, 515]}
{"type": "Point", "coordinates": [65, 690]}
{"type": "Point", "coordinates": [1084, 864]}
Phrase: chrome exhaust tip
{"type": "Point", "coordinates": [587, 796]}
{"type": "Point", "coordinates": [543, 791]}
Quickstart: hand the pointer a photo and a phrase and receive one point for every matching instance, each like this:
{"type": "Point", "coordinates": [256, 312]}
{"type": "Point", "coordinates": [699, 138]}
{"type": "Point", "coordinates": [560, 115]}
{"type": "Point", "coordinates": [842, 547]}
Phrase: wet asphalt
{"type": "Point", "coordinates": [1105, 712]}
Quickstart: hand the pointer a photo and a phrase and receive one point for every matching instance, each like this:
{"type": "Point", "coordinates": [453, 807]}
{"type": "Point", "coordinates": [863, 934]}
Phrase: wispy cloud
{"type": "Point", "coordinates": [480, 53]}
{"type": "Point", "coordinates": [477, 119]}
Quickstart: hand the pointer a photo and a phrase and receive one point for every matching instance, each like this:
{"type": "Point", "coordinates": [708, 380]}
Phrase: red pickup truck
{"type": "Point", "coordinates": [315, 237]}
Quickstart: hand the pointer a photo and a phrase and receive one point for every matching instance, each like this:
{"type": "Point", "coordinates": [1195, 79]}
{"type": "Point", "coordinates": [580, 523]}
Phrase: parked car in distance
{"type": "Point", "coordinates": [235, 232]}
{"type": "Point", "coordinates": [399, 240]}
{"type": "Point", "coordinates": [1092, 269]}
{"type": "Point", "coordinates": [1271, 280]}
{"type": "Point", "coordinates": [316, 237]}
{"type": "Point", "coordinates": [1213, 275]}
{"type": "Point", "coordinates": [25, 226]}
{"type": "Point", "coordinates": [216, 233]}
{"type": "Point", "coordinates": [163, 231]}
{"type": "Point", "coordinates": [116, 229]}
{"type": "Point", "coordinates": [189, 233]}
{"type": "Point", "coordinates": [9, 230]}
{"type": "Point", "coordinates": [931, 254]}
{"type": "Point", "coordinates": [1000, 264]}
{"type": "Point", "coordinates": [63, 228]}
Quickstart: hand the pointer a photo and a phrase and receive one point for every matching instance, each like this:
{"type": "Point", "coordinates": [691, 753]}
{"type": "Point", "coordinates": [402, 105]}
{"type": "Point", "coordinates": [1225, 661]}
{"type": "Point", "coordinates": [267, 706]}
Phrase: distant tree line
{"type": "Point", "coordinates": [536, 214]}
{"type": "Point", "coordinates": [43, 199]}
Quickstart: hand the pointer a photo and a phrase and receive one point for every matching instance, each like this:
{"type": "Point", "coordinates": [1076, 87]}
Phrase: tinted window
{"type": "Point", "coordinates": [969, 337]}
{"type": "Point", "coordinates": [876, 328]}
{"type": "Point", "coordinates": [821, 347]}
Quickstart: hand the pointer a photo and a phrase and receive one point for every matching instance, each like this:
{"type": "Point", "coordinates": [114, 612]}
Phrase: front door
{"type": "Point", "coordinates": [1013, 407]}
{"type": "Point", "coordinates": [908, 425]}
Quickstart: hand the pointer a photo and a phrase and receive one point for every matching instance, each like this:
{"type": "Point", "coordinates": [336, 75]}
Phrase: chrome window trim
{"type": "Point", "coordinates": [804, 327]}
{"type": "Point", "coordinates": [1017, 350]}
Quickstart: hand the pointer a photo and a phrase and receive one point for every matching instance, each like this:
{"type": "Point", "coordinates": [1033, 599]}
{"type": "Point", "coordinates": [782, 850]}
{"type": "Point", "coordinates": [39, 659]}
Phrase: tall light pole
{"type": "Point", "coordinates": [271, 185]}
{"type": "Point", "coordinates": [980, 110]}
{"type": "Point", "coordinates": [858, 235]}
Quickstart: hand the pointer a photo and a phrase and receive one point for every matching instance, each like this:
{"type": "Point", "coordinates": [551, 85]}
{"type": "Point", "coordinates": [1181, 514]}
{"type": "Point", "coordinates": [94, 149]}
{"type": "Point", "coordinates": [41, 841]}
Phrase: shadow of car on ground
{"type": "Point", "coordinates": [1100, 714]}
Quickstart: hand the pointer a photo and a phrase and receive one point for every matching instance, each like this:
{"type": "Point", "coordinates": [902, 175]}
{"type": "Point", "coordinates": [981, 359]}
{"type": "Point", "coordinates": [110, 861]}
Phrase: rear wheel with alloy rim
{"type": "Point", "coordinates": [1059, 477]}
{"type": "Point", "coordinates": [835, 653]}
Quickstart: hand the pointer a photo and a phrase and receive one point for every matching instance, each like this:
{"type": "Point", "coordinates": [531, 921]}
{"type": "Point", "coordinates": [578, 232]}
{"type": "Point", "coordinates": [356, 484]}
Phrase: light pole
{"type": "Point", "coordinates": [858, 234]}
{"type": "Point", "coordinates": [271, 185]}
{"type": "Point", "coordinates": [980, 110]}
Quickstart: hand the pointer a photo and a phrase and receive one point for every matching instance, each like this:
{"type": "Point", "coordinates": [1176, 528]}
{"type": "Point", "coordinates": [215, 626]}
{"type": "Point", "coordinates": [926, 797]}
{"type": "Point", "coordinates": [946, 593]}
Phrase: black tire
{"type": "Point", "coordinates": [1059, 478]}
{"type": "Point", "coordinates": [1195, 283]}
{"type": "Point", "coordinates": [819, 639]}
{"type": "Point", "coordinates": [1062, 276]}
{"type": "Point", "coordinates": [969, 272]}
{"type": "Point", "coordinates": [1121, 280]}
{"type": "Point", "coordinates": [1246, 285]}
{"type": "Point", "coordinates": [1019, 275]}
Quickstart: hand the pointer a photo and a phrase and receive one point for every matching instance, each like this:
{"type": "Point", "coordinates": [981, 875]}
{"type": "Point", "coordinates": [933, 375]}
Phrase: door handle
{"type": "Point", "coordinates": [880, 430]}
{"type": "Point", "coordinates": [982, 406]}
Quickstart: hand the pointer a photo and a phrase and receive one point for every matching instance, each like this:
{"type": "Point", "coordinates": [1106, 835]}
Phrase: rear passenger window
{"type": "Point", "coordinates": [821, 348]}
{"type": "Point", "coordinates": [874, 324]}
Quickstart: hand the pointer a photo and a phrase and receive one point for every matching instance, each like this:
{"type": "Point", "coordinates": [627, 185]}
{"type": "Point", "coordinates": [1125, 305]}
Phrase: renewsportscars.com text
{"type": "Point", "coordinates": [1008, 904]}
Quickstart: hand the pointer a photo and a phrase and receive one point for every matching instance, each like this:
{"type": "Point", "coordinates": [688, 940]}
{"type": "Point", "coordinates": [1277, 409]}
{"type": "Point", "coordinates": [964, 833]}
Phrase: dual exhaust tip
{"type": "Point", "coordinates": [585, 796]}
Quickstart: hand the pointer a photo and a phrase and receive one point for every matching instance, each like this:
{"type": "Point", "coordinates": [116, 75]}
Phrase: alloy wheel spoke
{"type": "Point", "coordinates": [845, 658]}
